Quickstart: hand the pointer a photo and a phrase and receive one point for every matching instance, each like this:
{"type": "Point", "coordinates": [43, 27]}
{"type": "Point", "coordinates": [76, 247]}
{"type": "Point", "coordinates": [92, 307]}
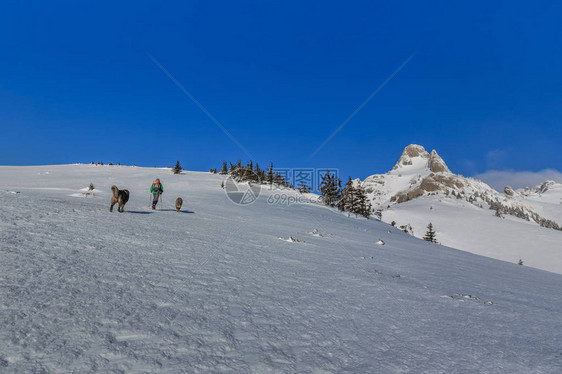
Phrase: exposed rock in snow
{"type": "Point", "coordinates": [547, 185]}
{"type": "Point", "coordinates": [315, 232]}
{"type": "Point", "coordinates": [433, 183]}
{"type": "Point", "coordinates": [415, 155]}
{"type": "Point", "coordinates": [436, 163]}
{"type": "Point", "coordinates": [290, 239]}
{"type": "Point", "coordinates": [411, 152]}
{"type": "Point", "coordinates": [509, 191]}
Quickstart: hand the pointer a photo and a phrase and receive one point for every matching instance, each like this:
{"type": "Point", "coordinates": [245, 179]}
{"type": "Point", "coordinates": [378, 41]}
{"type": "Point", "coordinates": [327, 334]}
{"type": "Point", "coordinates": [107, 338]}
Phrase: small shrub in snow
{"type": "Point", "coordinates": [224, 169]}
{"type": "Point", "coordinates": [430, 234]}
{"type": "Point", "coordinates": [407, 229]}
{"type": "Point", "coordinates": [304, 188]}
{"type": "Point", "coordinates": [177, 169]}
{"type": "Point", "coordinates": [498, 213]}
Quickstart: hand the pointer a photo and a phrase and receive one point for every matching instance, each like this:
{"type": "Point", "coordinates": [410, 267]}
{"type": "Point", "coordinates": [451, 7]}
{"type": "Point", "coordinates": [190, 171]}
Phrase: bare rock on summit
{"type": "Point", "coordinates": [410, 152]}
{"type": "Point", "coordinates": [414, 152]}
{"type": "Point", "coordinates": [509, 191]}
{"type": "Point", "coordinates": [436, 163]}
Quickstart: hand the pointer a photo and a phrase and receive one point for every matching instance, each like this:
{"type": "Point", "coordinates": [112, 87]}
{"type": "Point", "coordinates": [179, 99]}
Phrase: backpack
{"type": "Point", "coordinates": [155, 186]}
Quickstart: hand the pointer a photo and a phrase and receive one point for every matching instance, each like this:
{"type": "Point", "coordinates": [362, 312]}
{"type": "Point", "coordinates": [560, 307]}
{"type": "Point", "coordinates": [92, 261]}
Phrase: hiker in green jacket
{"type": "Point", "coordinates": [157, 189]}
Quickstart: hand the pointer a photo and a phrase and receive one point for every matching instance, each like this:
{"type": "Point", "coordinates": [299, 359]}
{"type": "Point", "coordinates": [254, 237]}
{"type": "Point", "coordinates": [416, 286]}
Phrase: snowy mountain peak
{"type": "Point", "coordinates": [413, 155]}
{"type": "Point", "coordinates": [423, 179]}
{"type": "Point", "coordinates": [416, 157]}
{"type": "Point", "coordinates": [436, 163]}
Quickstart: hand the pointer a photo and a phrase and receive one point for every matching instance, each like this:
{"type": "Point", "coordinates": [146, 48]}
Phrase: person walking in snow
{"type": "Point", "coordinates": [157, 189]}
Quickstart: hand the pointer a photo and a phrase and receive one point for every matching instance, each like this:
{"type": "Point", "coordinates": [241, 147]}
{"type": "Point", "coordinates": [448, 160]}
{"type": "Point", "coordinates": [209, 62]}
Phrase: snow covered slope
{"type": "Point", "coordinates": [219, 288]}
{"type": "Point", "coordinates": [421, 189]}
{"type": "Point", "coordinates": [545, 199]}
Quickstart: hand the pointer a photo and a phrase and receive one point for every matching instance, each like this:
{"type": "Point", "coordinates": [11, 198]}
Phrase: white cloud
{"type": "Point", "coordinates": [518, 179]}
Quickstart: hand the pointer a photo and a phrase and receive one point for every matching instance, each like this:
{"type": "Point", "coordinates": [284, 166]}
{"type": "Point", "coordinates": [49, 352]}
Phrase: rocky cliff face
{"type": "Point", "coordinates": [411, 152]}
{"type": "Point", "coordinates": [436, 164]}
{"type": "Point", "coordinates": [416, 156]}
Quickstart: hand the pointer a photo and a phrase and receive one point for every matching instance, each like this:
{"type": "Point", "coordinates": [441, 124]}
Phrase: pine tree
{"type": "Point", "coordinates": [330, 189]}
{"type": "Point", "coordinates": [430, 234]}
{"type": "Point", "coordinates": [236, 171]}
{"type": "Point", "coordinates": [347, 197]}
{"type": "Point", "coordinates": [249, 172]}
{"type": "Point", "coordinates": [279, 180]}
{"type": "Point", "coordinates": [177, 169]}
{"type": "Point", "coordinates": [269, 177]}
{"type": "Point", "coordinates": [361, 204]}
{"type": "Point", "coordinates": [224, 170]}
{"type": "Point", "coordinates": [259, 173]}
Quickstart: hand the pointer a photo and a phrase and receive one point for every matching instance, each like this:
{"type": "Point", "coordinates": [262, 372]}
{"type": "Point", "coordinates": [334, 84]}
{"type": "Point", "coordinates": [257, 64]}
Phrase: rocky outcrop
{"type": "Point", "coordinates": [436, 163]}
{"type": "Point", "coordinates": [410, 152]}
{"type": "Point", "coordinates": [433, 161]}
{"type": "Point", "coordinates": [509, 191]}
{"type": "Point", "coordinates": [433, 183]}
{"type": "Point", "coordinates": [546, 186]}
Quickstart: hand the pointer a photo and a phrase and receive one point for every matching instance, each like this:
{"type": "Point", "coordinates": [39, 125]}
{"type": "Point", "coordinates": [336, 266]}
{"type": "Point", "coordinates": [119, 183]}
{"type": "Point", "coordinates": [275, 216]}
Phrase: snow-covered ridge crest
{"type": "Point", "coordinates": [547, 186]}
{"type": "Point", "coordinates": [415, 156]}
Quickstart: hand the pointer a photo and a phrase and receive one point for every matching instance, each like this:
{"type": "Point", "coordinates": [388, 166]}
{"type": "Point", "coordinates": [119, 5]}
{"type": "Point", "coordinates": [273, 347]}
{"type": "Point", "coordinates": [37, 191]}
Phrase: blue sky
{"type": "Point", "coordinates": [483, 87]}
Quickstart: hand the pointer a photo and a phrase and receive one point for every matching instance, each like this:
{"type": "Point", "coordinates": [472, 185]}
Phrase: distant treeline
{"type": "Point", "coordinates": [351, 198]}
